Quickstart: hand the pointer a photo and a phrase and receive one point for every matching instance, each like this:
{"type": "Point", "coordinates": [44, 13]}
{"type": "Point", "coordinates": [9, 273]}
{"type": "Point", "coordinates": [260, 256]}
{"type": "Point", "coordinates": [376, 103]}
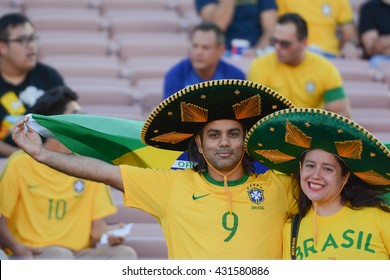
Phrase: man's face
{"type": "Point", "coordinates": [73, 107]}
{"type": "Point", "coordinates": [222, 144]}
{"type": "Point", "coordinates": [20, 51]}
{"type": "Point", "coordinates": [205, 52]}
{"type": "Point", "coordinates": [289, 49]}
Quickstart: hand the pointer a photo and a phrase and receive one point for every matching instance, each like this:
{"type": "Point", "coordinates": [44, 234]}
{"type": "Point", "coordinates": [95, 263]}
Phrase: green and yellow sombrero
{"type": "Point", "coordinates": [179, 117]}
{"type": "Point", "coordinates": [278, 141]}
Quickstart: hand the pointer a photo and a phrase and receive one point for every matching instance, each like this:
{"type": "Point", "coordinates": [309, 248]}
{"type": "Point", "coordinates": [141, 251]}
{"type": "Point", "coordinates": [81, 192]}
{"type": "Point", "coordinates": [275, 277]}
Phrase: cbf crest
{"type": "Point", "coordinates": [79, 187]}
{"type": "Point", "coordinates": [256, 195]}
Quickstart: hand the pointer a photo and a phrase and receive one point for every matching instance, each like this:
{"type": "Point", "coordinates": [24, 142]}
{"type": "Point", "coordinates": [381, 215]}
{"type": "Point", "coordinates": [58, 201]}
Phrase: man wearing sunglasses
{"type": "Point", "coordinates": [22, 78]}
{"type": "Point", "coordinates": [307, 79]}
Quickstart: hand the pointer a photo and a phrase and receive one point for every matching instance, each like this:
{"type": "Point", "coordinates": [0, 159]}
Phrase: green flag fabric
{"type": "Point", "coordinates": [113, 140]}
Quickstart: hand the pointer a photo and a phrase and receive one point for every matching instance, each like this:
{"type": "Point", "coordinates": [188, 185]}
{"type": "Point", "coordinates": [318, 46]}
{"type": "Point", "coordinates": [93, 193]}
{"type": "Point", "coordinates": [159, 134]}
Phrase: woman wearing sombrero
{"type": "Point", "coordinates": [343, 172]}
{"type": "Point", "coordinates": [219, 209]}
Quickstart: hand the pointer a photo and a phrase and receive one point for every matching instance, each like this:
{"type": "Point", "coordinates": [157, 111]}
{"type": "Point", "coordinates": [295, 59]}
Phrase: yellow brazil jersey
{"type": "Point", "coordinates": [45, 207]}
{"type": "Point", "coordinates": [322, 17]}
{"type": "Point", "coordinates": [312, 83]}
{"type": "Point", "coordinates": [348, 235]}
{"type": "Point", "coordinates": [194, 212]}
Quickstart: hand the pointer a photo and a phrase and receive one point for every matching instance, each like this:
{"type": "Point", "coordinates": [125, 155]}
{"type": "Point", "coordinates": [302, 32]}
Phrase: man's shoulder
{"type": "Point", "coordinates": [44, 67]}
{"type": "Point", "coordinates": [229, 67]}
{"type": "Point", "coordinates": [181, 65]}
{"type": "Point", "coordinates": [371, 4]}
{"type": "Point", "coordinates": [47, 73]}
{"type": "Point", "coordinates": [199, 4]}
{"type": "Point", "coordinates": [318, 59]}
{"type": "Point", "coordinates": [266, 59]}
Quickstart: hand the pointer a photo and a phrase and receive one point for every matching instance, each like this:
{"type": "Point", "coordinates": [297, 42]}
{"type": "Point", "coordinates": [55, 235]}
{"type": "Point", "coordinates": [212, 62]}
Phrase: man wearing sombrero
{"type": "Point", "coordinates": [218, 209]}
{"type": "Point", "coordinates": [343, 172]}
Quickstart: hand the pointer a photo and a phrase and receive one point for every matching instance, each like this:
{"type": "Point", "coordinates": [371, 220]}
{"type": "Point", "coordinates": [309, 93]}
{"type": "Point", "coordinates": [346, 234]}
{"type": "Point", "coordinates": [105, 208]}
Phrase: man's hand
{"type": "Point", "coordinates": [26, 138]}
{"type": "Point", "coordinates": [25, 252]}
{"type": "Point", "coordinates": [115, 240]}
{"type": "Point", "coordinates": [350, 51]}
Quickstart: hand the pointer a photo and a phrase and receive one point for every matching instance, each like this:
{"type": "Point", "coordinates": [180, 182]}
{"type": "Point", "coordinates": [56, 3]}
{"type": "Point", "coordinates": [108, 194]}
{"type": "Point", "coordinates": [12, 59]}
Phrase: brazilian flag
{"type": "Point", "coordinates": [113, 140]}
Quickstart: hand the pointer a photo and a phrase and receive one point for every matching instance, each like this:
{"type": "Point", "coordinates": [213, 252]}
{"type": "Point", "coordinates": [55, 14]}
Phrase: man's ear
{"type": "Point", "coordinates": [2, 46]}
{"type": "Point", "coordinates": [199, 144]}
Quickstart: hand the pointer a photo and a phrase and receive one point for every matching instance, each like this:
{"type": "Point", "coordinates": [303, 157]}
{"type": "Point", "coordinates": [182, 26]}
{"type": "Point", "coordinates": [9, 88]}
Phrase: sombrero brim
{"type": "Point", "coordinates": [278, 141]}
{"type": "Point", "coordinates": [179, 117]}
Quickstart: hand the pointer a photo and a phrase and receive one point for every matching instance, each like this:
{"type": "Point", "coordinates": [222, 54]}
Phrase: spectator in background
{"type": "Point", "coordinates": [22, 78]}
{"type": "Point", "coordinates": [239, 19]}
{"type": "Point", "coordinates": [47, 214]}
{"type": "Point", "coordinates": [307, 79]}
{"type": "Point", "coordinates": [204, 62]}
{"type": "Point", "coordinates": [325, 19]}
{"type": "Point", "coordinates": [374, 31]}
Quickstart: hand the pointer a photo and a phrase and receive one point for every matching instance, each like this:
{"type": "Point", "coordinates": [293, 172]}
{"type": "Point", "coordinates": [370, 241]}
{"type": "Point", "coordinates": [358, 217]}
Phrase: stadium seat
{"type": "Point", "coordinates": [150, 83]}
{"type": "Point", "coordinates": [243, 63]}
{"type": "Point", "coordinates": [143, 21]}
{"type": "Point", "coordinates": [105, 95]}
{"type": "Point", "coordinates": [6, 9]}
{"type": "Point", "coordinates": [385, 70]}
{"type": "Point", "coordinates": [75, 43]}
{"type": "Point", "coordinates": [382, 136]}
{"type": "Point", "coordinates": [132, 112]}
{"type": "Point", "coordinates": [66, 19]}
{"type": "Point", "coordinates": [85, 65]}
{"type": "Point", "coordinates": [368, 98]}
{"type": "Point", "coordinates": [353, 84]}
{"type": "Point", "coordinates": [27, 4]}
{"type": "Point", "coordinates": [142, 67]}
{"type": "Point", "coordinates": [148, 241]}
{"type": "Point", "coordinates": [107, 5]}
{"type": "Point", "coordinates": [149, 98]}
{"type": "Point", "coordinates": [373, 119]}
{"type": "Point", "coordinates": [152, 44]}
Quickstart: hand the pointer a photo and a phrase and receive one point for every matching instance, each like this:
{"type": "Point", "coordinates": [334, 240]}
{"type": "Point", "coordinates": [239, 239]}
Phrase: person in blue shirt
{"type": "Point", "coordinates": [241, 19]}
{"type": "Point", "coordinates": [204, 62]}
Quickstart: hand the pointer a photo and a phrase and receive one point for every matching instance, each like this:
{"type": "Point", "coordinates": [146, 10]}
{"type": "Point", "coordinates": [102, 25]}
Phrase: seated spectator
{"type": "Point", "coordinates": [204, 62]}
{"type": "Point", "coordinates": [307, 79]}
{"type": "Point", "coordinates": [47, 214]}
{"type": "Point", "coordinates": [374, 31]}
{"type": "Point", "coordinates": [249, 20]}
{"type": "Point", "coordinates": [22, 78]}
{"type": "Point", "coordinates": [325, 19]}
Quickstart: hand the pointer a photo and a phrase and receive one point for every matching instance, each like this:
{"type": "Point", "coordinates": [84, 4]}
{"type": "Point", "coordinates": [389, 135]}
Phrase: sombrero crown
{"type": "Point", "coordinates": [279, 140]}
{"type": "Point", "coordinates": [179, 117]}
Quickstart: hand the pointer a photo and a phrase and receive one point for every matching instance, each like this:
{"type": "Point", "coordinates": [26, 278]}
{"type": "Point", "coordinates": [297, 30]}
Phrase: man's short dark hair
{"type": "Point", "coordinates": [210, 26]}
{"type": "Point", "coordinates": [10, 21]}
{"type": "Point", "coordinates": [54, 101]}
{"type": "Point", "coordinates": [298, 21]}
{"type": "Point", "coordinates": [199, 164]}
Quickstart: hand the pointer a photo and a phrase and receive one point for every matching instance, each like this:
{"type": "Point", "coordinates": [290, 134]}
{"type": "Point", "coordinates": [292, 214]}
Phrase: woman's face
{"type": "Point", "coordinates": [321, 176]}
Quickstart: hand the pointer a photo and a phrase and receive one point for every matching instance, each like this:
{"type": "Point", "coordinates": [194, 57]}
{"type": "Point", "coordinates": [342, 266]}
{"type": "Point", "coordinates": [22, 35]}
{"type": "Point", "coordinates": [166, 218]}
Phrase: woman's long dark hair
{"type": "Point", "coordinates": [356, 193]}
{"type": "Point", "coordinates": [200, 165]}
